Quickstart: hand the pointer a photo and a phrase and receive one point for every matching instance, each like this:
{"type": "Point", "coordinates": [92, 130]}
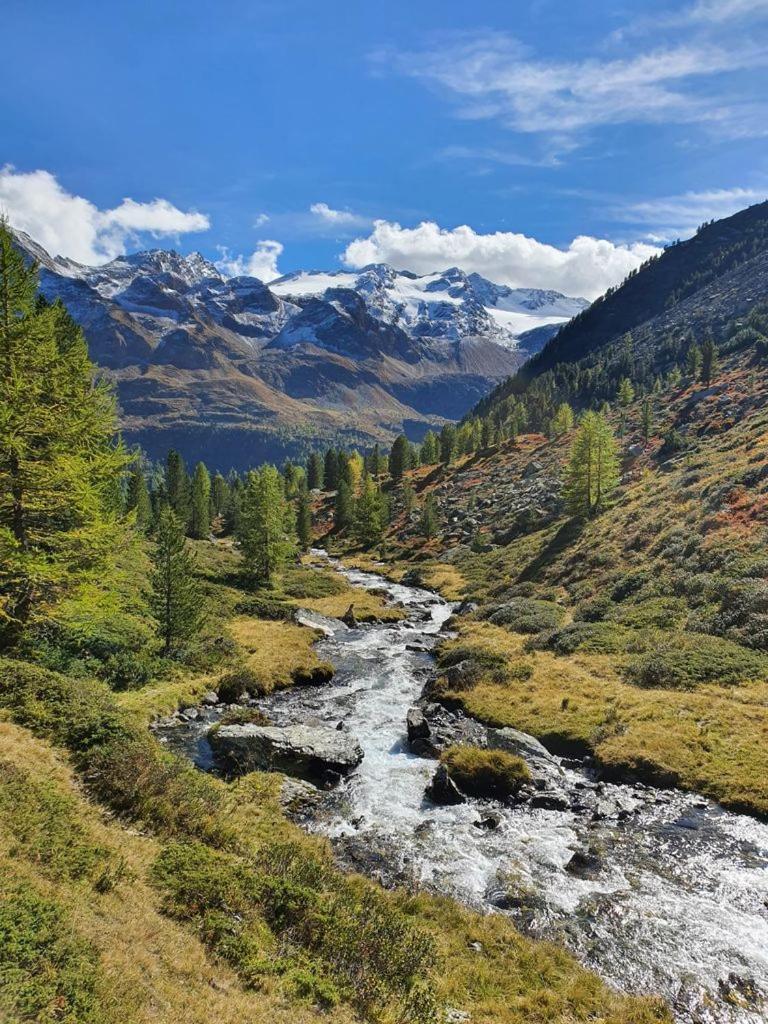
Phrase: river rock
{"type": "Point", "coordinates": [417, 725]}
{"type": "Point", "coordinates": [210, 699]}
{"type": "Point", "coordinates": [305, 751]}
{"type": "Point", "coordinates": [584, 864]}
{"type": "Point", "coordinates": [349, 618]}
{"type": "Point", "coordinates": [443, 790]}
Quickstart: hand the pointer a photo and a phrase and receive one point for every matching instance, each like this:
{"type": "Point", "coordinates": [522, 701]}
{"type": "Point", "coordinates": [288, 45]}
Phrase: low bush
{"type": "Point", "coordinates": [310, 583]}
{"type": "Point", "coordinates": [654, 613]}
{"type": "Point", "coordinates": [591, 637]}
{"type": "Point", "coordinates": [47, 974]}
{"type": "Point", "coordinates": [526, 615]}
{"type": "Point", "coordinates": [685, 660]}
{"type": "Point", "coordinates": [266, 608]}
{"type": "Point", "coordinates": [235, 685]}
{"type": "Point", "coordinates": [485, 773]}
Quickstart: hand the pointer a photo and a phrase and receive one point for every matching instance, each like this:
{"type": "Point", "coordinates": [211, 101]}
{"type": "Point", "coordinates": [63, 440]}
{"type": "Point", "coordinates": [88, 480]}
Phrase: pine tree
{"type": "Point", "coordinates": [60, 465]}
{"type": "Point", "coordinates": [331, 469]}
{"type": "Point", "coordinates": [315, 472]}
{"type": "Point", "coordinates": [137, 498]}
{"type": "Point", "coordinates": [430, 449]}
{"type": "Point", "coordinates": [447, 443]}
{"type": "Point", "coordinates": [593, 470]}
{"type": "Point", "coordinates": [647, 419]}
{"type": "Point", "coordinates": [176, 598]}
{"type": "Point", "coordinates": [693, 361]}
{"type": "Point", "coordinates": [430, 521]}
{"type": "Point", "coordinates": [369, 513]}
{"type": "Point", "coordinates": [200, 510]}
{"type": "Point", "coordinates": [178, 487]}
{"type": "Point", "coordinates": [562, 421]}
{"type": "Point", "coordinates": [399, 457]}
{"type": "Point", "coordinates": [219, 495]}
{"type": "Point", "coordinates": [304, 520]}
{"type": "Point", "coordinates": [408, 496]}
{"type": "Point", "coordinates": [708, 361]}
{"type": "Point", "coordinates": [626, 392]}
{"type": "Point", "coordinates": [344, 508]}
{"type": "Point", "coordinates": [266, 535]}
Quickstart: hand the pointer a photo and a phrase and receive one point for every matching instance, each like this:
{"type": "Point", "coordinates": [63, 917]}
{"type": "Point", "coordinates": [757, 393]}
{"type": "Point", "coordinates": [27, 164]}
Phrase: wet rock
{"type": "Point", "coordinates": [306, 751]}
{"type": "Point", "coordinates": [443, 790]}
{"type": "Point", "coordinates": [584, 864]}
{"type": "Point", "coordinates": [295, 794]}
{"type": "Point", "coordinates": [551, 800]}
{"type": "Point", "coordinates": [210, 699]}
{"type": "Point", "coordinates": [189, 714]}
{"type": "Point", "coordinates": [489, 822]}
{"type": "Point", "coordinates": [349, 618]}
{"type": "Point", "coordinates": [417, 725]}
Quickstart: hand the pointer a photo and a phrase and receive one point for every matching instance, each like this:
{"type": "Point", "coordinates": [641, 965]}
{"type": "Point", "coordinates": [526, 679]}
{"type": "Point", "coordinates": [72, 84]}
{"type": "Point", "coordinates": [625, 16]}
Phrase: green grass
{"type": "Point", "coordinates": [485, 773]}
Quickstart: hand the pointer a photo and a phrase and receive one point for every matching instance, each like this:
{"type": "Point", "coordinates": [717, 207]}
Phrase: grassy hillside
{"type": "Point", "coordinates": [639, 635]}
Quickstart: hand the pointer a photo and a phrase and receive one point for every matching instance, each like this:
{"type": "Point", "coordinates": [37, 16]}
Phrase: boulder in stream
{"type": "Point", "coordinates": [310, 752]}
{"type": "Point", "coordinates": [443, 790]}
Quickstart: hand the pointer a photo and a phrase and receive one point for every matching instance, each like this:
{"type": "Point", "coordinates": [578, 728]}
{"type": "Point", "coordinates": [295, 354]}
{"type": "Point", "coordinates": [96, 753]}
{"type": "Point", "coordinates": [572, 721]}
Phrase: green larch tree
{"type": "Point", "coordinates": [562, 421]}
{"type": "Point", "coordinates": [343, 508]}
{"type": "Point", "coordinates": [593, 469]}
{"type": "Point", "coordinates": [399, 457]}
{"type": "Point", "coordinates": [137, 499]}
{"type": "Point", "coordinates": [266, 535]}
{"type": "Point", "coordinates": [304, 519]}
{"type": "Point", "coordinates": [429, 522]}
{"type": "Point", "coordinates": [200, 504]}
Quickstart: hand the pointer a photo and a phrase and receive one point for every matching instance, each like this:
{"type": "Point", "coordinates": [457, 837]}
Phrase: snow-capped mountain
{"type": "Point", "coordinates": [449, 304]}
{"type": "Point", "coordinates": [238, 371]}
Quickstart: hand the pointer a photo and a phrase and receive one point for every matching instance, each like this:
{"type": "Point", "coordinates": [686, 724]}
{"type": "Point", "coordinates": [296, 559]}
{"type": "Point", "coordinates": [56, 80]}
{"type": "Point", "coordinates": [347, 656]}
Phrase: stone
{"type": "Point", "coordinates": [550, 800]}
{"type": "Point", "coordinates": [489, 822]}
{"type": "Point", "coordinates": [210, 699]}
{"type": "Point", "coordinates": [349, 618]}
{"type": "Point", "coordinates": [635, 450]}
{"type": "Point", "coordinates": [305, 751]}
{"type": "Point", "coordinates": [417, 725]}
{"type": "Point", "coordinates": [443, 790]}
{"type": "Point", "coordinates": [584, 864]}
{"type": "Point", "coordinates": [532, 469]}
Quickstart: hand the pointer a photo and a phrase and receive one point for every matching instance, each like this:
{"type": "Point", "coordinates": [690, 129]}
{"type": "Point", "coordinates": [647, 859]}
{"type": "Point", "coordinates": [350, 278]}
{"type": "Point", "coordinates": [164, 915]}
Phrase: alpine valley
{"type": "Point", "coordinates": [236, 371]}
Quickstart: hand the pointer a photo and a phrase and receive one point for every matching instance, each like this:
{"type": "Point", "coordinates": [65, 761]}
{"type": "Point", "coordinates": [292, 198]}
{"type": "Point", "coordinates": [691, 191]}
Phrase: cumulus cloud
{"type": "Point", "coordinates": [587, 267]}
{"type": "Point", "coordinates": [262, 262]}
{"type": "Point", "coordinates": [678, 216]}
{"type": "Point", "coordinates": [342, 218]}
{"type": "Point", "coordinates": [69, 225]}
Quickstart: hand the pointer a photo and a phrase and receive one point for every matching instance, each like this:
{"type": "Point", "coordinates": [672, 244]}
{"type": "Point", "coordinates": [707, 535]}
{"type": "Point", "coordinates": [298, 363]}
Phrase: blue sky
{"type": "Point", "coordinates": [278, 135]}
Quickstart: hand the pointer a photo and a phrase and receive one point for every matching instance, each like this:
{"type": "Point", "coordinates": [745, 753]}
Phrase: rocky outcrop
{"type": "Point", "coordinates": [316, 753]}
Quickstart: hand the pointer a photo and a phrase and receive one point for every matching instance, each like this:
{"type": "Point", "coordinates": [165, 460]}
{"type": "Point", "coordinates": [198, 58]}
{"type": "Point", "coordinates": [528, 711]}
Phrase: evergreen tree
{"type": "Point", "coordinates": [369, 513]}
{"type": "Point", "coordinates": [177, 486]}
{"type": "Point", "coordinates": [233, 506]}
{"type": "Point", "coordinates": [331, 469]}
{"type": "Point", "coordinates": [266, 534]}
{"type": "Point", "coordinates": [399, 457]}
{"type": "Point", "coordinates": [315, 472]}
{"type": "Point", "coordinates": [304, 520]}
{"type": "Point", "coordinates": [430, 520]}
{"type": "Point", "coordinates": [562, 421]}
{"type": "Point", "coordinates": [60, 465]}
{"type": "Point", "coordinates": [344, 508]}
{"type": "Point", "coordinates": [200, 511]}
{"type": "Point", "coordinates": [408, 496]}
{"type": "Point", "coordinates": [693, 361]}
{"type": "Point", "coordinates": [137, 498]}
{"type": "Point", "coordinates": [430, 449]}
{"type": "Point", "coordinates": [708, 361]}
{"type": "Point", "coordinates": [593, 470]}
{"type": "Point", "coordinates": [447, 443]}
{"type": "Point", "coordinates": [626, 392]}
{"type": "Point", "coordinates": [219, 495]}
{"type": "Point", "coordinates": [647, 419]}
{"type": "Point", "coordinates": [176, 598]}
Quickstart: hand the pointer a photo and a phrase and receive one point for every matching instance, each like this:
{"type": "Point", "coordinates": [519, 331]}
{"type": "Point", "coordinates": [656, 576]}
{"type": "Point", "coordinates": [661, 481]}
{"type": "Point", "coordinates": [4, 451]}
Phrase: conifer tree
{"type": "Point", "coordinates": [647, 419]}
{"type": "Point", "coordinates": [399, 457]}
{"type": "Point", "coordinates": [593, 470]}
{"type": "Point", "coordinates": [331, 470]}
{"type": "Point", "coordinates": [60, 465]}
{"type": "Point", "coordinates": [447, 443]}
{"type": "Point", "coordinates": [626, 392]}
{"type": "Point", "coordinates": [344, 508]}
{"type": "Point", "coordinates": [408, 496]}
{"type": "Point", "coordinates": [369, 513]}
{"type": "Point", "coordinates": [315, 472]}
{"type": "Point", "coordinates": [304, 520]}
{"type": "Point", "coordinates": [430, 449]}
{"type": "Point", "coordinates": [562, 421]}
{"type": "Point", "coordinates": [266, 534]}
{"type": "Point", "coordinates": [429, 522]}
{"type": "Point", "coordinates": [708, 361]}
{"type": "Point", "coordinates": [219, 495]}
{"type": "Point", "coordinates": [137, 498]}
{"type": "Point", "coordinates": [178, 488]}
{"type": "Point", "coordinates": [176, 598]}
{"type": "Point", "coordinates": [200, 510]}
{"type": "Point", "coordinates": [693, 361]}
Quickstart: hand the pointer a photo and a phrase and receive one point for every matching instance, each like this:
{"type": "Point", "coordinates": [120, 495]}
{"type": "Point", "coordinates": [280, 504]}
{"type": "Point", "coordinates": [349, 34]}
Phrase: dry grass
{"type": "Point", "coordinates": [275, 650]}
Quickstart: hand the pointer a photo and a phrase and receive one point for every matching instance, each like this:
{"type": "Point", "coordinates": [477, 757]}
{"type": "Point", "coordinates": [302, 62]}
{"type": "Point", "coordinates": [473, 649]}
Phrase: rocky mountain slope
{"type": "Point", "coordinates": [238, 372]}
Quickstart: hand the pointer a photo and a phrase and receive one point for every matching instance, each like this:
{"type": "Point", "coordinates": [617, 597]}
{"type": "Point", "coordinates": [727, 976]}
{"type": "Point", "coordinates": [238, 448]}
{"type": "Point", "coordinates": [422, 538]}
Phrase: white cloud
{"type": "Point", "coordinates": [69, 225]}
{"type": "Point", "coordinates": [670, 217]}
{"type": "Point", "coordinates": [495, 77]}
{"type": "Point", "coordinates": [718, 11]}
{"type": "Point", "coordinates": [587, 267]}
{"type": "Point", "coordinates": [260, 219]}
{"type": "Point", "coordinates": [342, 218]}
{"type": "Point", "coordinates": [262, 262]}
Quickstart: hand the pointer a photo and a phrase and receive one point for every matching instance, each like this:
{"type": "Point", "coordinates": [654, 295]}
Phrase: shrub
{"type": "Point", "coordinates": [47, 974]}
{"type": "Point", "coordinates": [233, 686]}
{"type": "Point", "coordinates": [655, 612]}
{"type": "Point", "coordinates": [591, 637]}
{"type": "Point", "coordinates": [526, 615]}
{"type": "Point", "coordinates": [266, 608]}
{"type": "Point", "coordinates": [685, 660]}
{"type": "Point", "coordinates": [485, 773]}
{"type": "Point", "coordinates": [298, 583]}
{"type": "Point", "coordinates": [594, 610]}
